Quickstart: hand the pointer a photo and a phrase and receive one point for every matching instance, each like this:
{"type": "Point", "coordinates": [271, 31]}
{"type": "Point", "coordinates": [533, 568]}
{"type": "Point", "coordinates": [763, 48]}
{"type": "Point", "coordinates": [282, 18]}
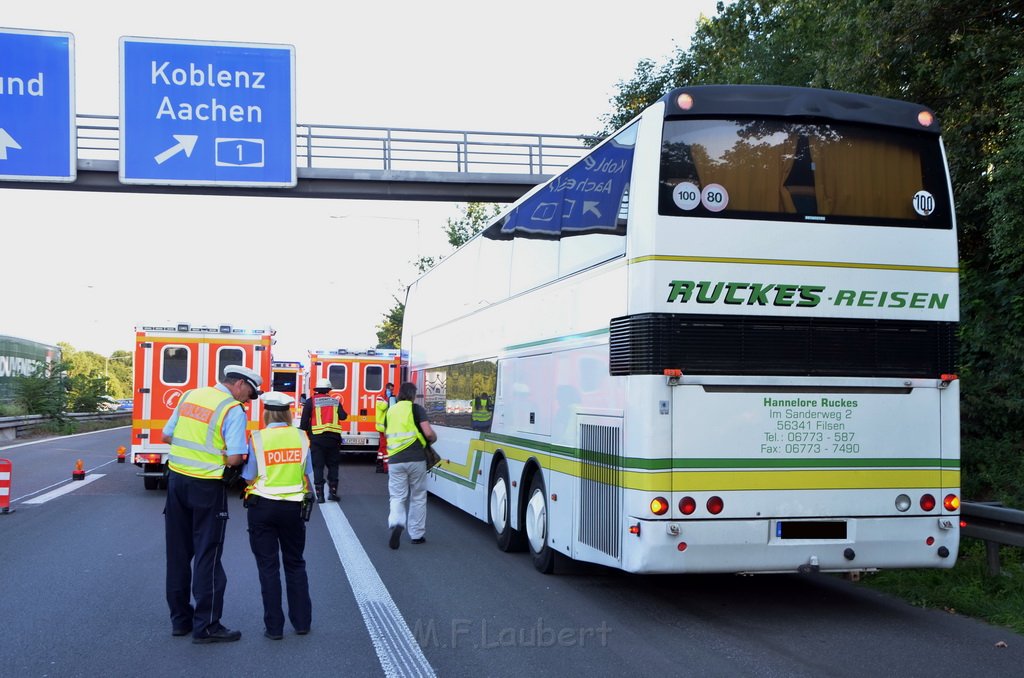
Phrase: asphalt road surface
{"type": "Point", "coordinates": [82, 594]}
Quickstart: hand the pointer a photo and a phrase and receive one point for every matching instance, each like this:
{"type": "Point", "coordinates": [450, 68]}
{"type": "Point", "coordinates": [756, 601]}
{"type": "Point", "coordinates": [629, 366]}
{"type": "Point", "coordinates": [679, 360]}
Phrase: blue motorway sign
{"type": "Point", "coordinates": [37, 106]}
{"type": "Point", "coordinates": [584, 199]}
{"type": "Point", "coordinates": [207, 113]}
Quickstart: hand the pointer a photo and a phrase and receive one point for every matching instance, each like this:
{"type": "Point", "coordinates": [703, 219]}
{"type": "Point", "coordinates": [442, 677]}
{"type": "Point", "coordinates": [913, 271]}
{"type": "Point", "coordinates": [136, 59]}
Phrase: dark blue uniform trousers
{"type": "Point", "coordinates": [195, 517]}
{"type": "Point", "coordinates": [276, 527]}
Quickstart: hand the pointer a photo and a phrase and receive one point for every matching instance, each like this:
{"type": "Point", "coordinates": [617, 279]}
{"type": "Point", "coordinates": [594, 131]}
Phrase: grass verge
{"type": "Point", "coordinates": [965, 589]}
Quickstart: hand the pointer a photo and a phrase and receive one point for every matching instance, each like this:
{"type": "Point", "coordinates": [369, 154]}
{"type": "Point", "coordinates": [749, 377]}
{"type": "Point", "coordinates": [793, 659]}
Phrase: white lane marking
{"type": "Point", "coordinates": [70, 487]}
{"type": "Point", "coordinates": [397, 649]}
{"type": "Point", "coordinates": [44, 489]}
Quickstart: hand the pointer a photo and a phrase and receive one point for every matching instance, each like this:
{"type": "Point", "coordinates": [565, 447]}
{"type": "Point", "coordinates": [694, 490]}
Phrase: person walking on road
{"type": "Point", "coordinates": [321, 420]}
{"type": "Point", "coordinates": [278, 475]}
{"type": "Point", "coordinates": [206, 432]}
{"type": "Point", "coordinates": [408, 434]}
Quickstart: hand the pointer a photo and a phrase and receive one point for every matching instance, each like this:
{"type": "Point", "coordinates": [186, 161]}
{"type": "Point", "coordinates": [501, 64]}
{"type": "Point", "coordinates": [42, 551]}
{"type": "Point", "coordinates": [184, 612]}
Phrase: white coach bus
{"type": "Point", "coordinates": [723, 341]}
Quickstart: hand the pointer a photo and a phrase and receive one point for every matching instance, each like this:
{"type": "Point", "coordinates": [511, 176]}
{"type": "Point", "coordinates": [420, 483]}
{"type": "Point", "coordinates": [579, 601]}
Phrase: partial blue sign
{"type": "Point", "coordinates": [207, 113]}
{"type": "Point", "coordinates": [37, 106]}
{"type": "Point", "coordinates": [589, 197]}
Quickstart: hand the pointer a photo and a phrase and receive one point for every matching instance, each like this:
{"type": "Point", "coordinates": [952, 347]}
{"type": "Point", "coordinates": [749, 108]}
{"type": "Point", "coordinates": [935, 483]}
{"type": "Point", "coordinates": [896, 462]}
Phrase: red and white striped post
{"type": "Point", "coordinates": [5, 486]}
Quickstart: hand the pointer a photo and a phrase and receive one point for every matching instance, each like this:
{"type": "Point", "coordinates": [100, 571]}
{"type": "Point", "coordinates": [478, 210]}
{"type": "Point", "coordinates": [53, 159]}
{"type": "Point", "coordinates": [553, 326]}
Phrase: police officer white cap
{"type": "Point", "coordinates": [324, 382]}
{"type": "Point", "coordinates": [251, 377]}
{"type": "Point", "coordinates": [275, 400]}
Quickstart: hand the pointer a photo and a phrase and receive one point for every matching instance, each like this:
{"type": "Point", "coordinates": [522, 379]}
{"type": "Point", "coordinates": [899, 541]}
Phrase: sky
{"type": "Point", "coordinates": [86, 268]}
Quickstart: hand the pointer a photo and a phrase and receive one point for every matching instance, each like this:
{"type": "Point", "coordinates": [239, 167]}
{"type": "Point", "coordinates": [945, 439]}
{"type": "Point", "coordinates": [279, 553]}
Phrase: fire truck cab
{"type": "Point", "coordinates": [289, 378]}
{"type": "Point", "coordinates": [357, 379]}
{"type": "Point", "coordinates": [171, 359]}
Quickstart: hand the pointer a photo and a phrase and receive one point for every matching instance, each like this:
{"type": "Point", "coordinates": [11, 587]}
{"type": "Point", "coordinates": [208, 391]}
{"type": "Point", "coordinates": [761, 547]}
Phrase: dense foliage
{"type": "Point", "coordinates": [77, 383]}
{"type": "Point", "coordinates": [963, 58]}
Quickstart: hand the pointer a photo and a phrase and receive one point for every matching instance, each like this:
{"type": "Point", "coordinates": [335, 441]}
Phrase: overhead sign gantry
{"type": "Point", "coordinates": [207, 113]}
{"type": "Point", "coordinates": [37, 106]}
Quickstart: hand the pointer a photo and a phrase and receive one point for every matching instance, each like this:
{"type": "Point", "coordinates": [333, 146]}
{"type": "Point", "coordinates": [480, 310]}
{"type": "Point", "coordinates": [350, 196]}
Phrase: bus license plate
{"type": "Point", "coordinates": [355, 440]}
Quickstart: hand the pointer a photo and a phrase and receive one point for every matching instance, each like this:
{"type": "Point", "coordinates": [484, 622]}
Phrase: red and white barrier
{"type": "Point", "coordinates": [5, 486]}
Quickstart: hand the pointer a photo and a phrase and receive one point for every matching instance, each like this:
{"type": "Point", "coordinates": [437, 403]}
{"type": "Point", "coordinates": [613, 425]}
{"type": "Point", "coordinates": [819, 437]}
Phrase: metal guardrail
{"type": "Point", "coordinates": [994, 524]}
{"type": "Point", "coordinates": [11, 428]}
{"type": "Point", "coordinates": [388, 148]}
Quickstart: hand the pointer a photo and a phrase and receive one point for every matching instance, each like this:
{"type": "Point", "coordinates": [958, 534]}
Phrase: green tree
{"type": "Point", "coordinates": [475, 217]}
{"type": "Point", "coordinates": [44, 392]}
{"type": "Point", "coordinates": [963, 59]}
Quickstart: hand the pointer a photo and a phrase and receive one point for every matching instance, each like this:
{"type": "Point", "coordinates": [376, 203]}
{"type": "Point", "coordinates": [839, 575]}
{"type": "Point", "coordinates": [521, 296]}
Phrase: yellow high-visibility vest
{"type": "Point", "coordinates": [401, 429]}
{"type": "Point", "coordinates": [382, 411]}
{"type": "Point", "coordinates": [280, 463]}
{"type": "Point", "coordinates": [197, 444]}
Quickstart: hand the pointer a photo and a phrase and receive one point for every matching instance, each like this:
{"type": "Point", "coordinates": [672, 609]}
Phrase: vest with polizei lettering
{"type": "Point", "coordinates": [197, 444]}
{"type": "Point", "coordinates": [280, 463]}
{"type": "Point", "coordinates": [401, 428]}
{"type": "Point", "coordinates": [325, 414]}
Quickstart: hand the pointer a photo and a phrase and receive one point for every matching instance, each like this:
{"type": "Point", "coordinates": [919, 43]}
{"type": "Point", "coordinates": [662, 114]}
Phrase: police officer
{"type": "Point", "coordinates": [321, 420]}
{"type": "Point", "coordinates": [482, 412]}
{"type": "Point", "coordinates": [278, 475]}
{"type": "Point", "coordinates": [207, 434]}
{"type": "Point", "coordinates": [408, 432]}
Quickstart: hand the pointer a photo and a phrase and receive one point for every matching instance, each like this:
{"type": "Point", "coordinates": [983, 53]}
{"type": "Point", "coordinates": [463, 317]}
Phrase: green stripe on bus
{"type": "Point", "coordinates": [555, 340]}
{"type": "Point", "coordinates": [796, 262]}
{"type": "Point", "coordinates": [708, 463]}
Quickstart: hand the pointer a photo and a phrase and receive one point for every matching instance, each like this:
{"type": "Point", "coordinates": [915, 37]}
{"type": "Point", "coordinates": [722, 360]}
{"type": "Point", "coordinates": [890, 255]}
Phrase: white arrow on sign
{"type": "Point", "coordinates": [186, 142]}
{"type": "Point", "coordinates": [7, 141]}
{"type": "Point", "coordinates": [591, 206]}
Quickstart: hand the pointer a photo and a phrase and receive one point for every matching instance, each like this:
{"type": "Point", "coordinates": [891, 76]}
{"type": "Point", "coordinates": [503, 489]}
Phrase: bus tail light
{"type": "Point", "coordinates": [925, 118]}
{"type": "Point", "coordinates": [951, 502]}
{"type": "Point", "coordinates": [635, 529]}
{"type": "Point", "coordinates": [927, 502]}
{"type": "Point", "coordinates": [687, 505]}
{"type": "Point", "coordinates": [659, 506]}
{"type": "Point", "coordinates": [903, 503]}
{"type": "Point", "coordinates": [715, 505]}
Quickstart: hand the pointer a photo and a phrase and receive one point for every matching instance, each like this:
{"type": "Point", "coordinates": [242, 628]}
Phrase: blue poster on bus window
{"type": "Point", "coordinates": [589, 197]}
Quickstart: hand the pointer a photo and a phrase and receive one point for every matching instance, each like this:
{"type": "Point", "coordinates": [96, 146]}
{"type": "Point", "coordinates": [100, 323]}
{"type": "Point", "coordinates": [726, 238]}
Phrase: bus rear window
{"type": "Point", "coordinates": [803, 171]}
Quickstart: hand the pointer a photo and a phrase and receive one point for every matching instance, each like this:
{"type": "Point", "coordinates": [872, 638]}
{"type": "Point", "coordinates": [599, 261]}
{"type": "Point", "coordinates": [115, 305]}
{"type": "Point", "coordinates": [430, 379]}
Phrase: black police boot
{"type": "Point", "coordinates": [320, 494]}
{"type": "Point", "coordinates": [333, 496]}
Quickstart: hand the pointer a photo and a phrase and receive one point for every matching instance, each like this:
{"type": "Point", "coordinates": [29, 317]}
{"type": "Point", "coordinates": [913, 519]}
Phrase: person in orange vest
{"type": "Point", "coordinates": [278, 474]}
{"type": "Point", "coordinates": [206, 433]}
{"type": "Point", "coordinates": [321, 420]}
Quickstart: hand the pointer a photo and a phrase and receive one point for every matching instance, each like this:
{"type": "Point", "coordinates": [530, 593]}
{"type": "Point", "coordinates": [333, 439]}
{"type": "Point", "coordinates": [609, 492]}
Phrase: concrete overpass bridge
{"type": "Point", "coordinates": [366, 163]}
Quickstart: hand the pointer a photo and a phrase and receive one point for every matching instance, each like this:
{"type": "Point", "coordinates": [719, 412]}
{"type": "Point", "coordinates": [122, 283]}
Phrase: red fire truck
{"type": "Point", "coordinates": [357, 379]}
{"type": "Point", "coordinates": [288, 378]}
{"type": "Point", "coordinates": [173, 358]}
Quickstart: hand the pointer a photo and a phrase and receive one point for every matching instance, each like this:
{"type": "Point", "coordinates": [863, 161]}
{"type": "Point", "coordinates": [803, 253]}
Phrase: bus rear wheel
{"type": "Point", "coordinates": [499, 508]}
{"type": "Point", "coordinates": [537, 526]}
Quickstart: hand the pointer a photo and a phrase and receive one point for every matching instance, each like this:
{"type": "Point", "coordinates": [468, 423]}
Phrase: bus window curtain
{"type": "Point", "coordinates": [865, 178]}
{"type": "Point", "coordinates": [754, 175]}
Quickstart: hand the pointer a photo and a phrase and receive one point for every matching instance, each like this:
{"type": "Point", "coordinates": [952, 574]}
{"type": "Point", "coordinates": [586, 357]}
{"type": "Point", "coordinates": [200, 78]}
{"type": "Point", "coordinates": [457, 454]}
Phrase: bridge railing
{"type": "Point", "coordinates": [388, 148]}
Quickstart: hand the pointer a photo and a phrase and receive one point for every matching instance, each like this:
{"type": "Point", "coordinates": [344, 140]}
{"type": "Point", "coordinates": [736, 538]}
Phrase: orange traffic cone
{"type": "Point", "coordinates": [79, 472]}
{"type": "Point", "coordinates": [120, 454]}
